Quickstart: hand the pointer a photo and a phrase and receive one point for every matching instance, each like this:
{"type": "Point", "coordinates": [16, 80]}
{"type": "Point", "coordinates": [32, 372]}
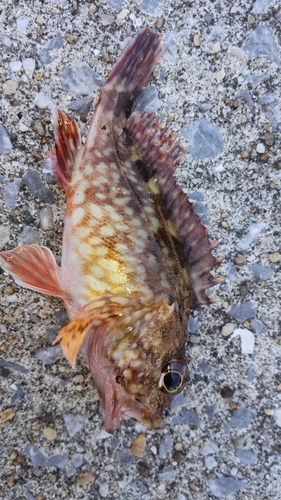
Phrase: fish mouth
{"type": "Point", "coordinates": [119, 406]}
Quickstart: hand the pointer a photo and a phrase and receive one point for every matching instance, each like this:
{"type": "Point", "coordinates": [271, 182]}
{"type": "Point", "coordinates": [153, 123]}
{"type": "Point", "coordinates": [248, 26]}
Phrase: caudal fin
{"type": "Point", "coordinates": [133, 69]}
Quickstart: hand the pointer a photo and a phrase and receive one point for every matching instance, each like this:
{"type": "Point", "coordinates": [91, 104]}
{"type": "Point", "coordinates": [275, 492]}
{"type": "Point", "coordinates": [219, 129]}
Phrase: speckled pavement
{"type": "Point", "coordinates": [219, 83]}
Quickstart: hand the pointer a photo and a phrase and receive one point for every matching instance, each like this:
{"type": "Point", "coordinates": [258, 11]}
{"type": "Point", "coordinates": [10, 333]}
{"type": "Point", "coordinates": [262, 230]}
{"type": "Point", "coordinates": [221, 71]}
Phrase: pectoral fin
{"type": "Point", "coordinates": [33, 267]}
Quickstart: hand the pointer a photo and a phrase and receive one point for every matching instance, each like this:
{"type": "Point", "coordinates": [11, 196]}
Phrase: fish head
{"type": "Point", "coordinates": [139, 364]}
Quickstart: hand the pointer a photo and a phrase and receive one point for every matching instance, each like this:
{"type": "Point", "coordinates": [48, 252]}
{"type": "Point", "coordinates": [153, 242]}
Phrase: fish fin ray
{"type": "Point", "coordinates": [160, 149]}
{"type": "Point", "coordinates": [33, 267]}
{"type": "Point", "coordinates": [101, 314]}
{"type": "Point", "coordinates": [133, 69]}
{"type": "Point", "coordinates": [68, 145]}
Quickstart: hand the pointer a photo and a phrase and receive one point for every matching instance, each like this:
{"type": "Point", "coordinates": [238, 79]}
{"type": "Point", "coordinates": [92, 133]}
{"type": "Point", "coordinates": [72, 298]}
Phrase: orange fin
{"type": "Point", "coordinates": [68, 145]}
{"type": "Point", "coordinates": [33, 267]}
{"type": "Point", "coordinates": [161, 151]}
{"type": "Point", "coordinates": [105, 310]}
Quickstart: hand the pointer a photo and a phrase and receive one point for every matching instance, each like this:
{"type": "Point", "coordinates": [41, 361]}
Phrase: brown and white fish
{"type": "Point", "coordinates": [135, 257]}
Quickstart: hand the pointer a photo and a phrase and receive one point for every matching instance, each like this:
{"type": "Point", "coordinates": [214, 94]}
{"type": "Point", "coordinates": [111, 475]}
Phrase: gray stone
{"type": "Point", "coordinates": [205, 106]}
{"type": "Point", "coordinates": [232, 276]}
{"type": "Point", "coordinates": [192, 324]}
{"type": "Point", "coordinates": [40, 460]}
{"type": "Point", "coordinates": [240, 418]}
{"type": "Point", "coordinates": [167, 475]}
{"type": "Point", "coordinates": [6, 44]}
{"type": "Point", "coordinates": [115, 4]}
{"type": "Point", "coordinates": [211, 410]}
{"type": "Point", "coordinates": [46, 216]}
{"type": "Point", "coordinates": [186, 417]}
{"type": "Point", "coordinates": [223, 486]}
{"type": "Point", "coordinates": [165, 447]}
{"type": "Point", "coordinates": [205, 140]}
{"type": "Point", "coordinates": [171, 51]}
{"type": "Point", "coordinates": [18, 395]}
{"type": "Point", "coordinates": [205, 367]}
{"type": "Point", "coordinates": [261, 43]}
{"type": "Point", "coordinates": [81, 106]}
{"type": "Point", "coordinates": [177, 401]}
{"type": "Point", "coordinates": [210, 449]}
{"type": "Point", "coordinates": [254, 229]}
{"type": "Point", "coordinates": [29, 236]}
{"type": "Point", "coordinates": [49, 355]}
{"type": "Point", "coordinates": [210, 462]}
{"type": "Point", "coordinates": [9, 87]}
{"type": "Point", "coordinates": [13, 366]}
{"type": "Point", "coordinates": [125, 458]}
{"type": "Point", "coordinates": [148, 100]}
{"type": "Point", "coordinates": [52, 333]}
{"type": "Point", "coordinates": [246, 96]}
{"type": "Point", "coordinates": [257, 325]}
{"type": "Point", "coordinates": [4, 235]}
{"type": "Point", "coordinates": [5, 143]}
{"type": "Point", "coordinates": [196, 196]}
{"type": "Point", "coordinates": [37, 187]}
{"type": "Point", "coordinates": [73, 423]}
{"type": "Point", "coordinates": [259, 6]}
{"type": "Point", "coordinates": [255, 79]}
{"type": "Point", "coordinates": [270, 106]}
{"type": "Point", "coordinates": [243, 311]}
{"type": "Point", "coordinates": [263, 273]}
{"type": "Point", "coordinates": [61, 317]}
{"type": "Point", "coordinates": [54, 43]}
{"type": "Point", "coordinates": [149, 6]}
{"type": "Point", "coordinates": [48, 172]}
{"type": "Point", "coordinates": [201, 209]}
{"type": "Point", "coordinates": [80, 79]}
{"type": "Point", "coordinates": [11, 191]}
{"type": "Point", "coordinates": [77, 460]}
{"type": "Point", "coordinates": [247, 457]}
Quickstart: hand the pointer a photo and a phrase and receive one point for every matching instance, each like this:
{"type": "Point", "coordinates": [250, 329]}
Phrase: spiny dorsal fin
{"type": "Point", "coordinates": [68, 145]}
{"type": "Point", "coordinates": [160, 148]}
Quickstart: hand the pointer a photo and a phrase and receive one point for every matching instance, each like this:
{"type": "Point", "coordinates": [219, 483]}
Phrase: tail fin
{"type": "Point", "coordinates": [132, 71]}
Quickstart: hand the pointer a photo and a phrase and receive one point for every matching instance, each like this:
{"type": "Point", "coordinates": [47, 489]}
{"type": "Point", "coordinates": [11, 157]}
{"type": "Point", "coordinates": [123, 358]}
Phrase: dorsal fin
{"type": "Point", "coordinates": [161, 152]}
{"type": "Point", "coordinates": [68, 145]}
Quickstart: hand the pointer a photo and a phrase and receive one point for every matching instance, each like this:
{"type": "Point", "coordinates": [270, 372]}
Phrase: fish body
{"type": "Point", "coordinates": [135, 257]}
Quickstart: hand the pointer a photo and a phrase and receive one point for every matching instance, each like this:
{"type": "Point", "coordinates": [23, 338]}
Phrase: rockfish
{"type": "Point", "coordinates": [135, 257]}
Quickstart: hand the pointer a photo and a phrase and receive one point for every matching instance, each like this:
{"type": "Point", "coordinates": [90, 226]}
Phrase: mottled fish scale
{"type": "Point", "coordinates": [134, 252]}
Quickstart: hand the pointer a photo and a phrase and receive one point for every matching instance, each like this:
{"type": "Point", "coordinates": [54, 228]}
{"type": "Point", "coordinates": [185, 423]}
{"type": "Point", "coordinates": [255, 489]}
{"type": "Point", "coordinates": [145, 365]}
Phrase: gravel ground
{"type": "Point", "coordinates": [219, 83]}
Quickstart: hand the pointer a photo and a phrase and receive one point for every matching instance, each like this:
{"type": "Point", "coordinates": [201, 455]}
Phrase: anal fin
{"type": "Point", "coordinates": [33, 267]}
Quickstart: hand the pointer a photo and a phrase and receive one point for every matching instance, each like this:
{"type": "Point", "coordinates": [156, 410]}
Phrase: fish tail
{"type": "Point", "coordinates": [133, 69]}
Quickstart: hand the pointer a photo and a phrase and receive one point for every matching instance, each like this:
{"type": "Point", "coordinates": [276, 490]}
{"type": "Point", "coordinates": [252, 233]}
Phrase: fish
{"type": "Point", "coordinates": [135, 257]}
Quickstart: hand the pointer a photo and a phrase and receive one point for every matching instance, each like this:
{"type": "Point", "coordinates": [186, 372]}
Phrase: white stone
{"type": "Point", "coordinates": [43, 101]}
{"type": "Point", "coordinates": [247, 340]}
{"type": "Point", "coordinates": [227, 329]}
{"type": "Point", "coordinates": [260, 148]}
{"type": "Point", "coordinates": [15, 65]}
{"type": "Point", "coordinates": [29, 66]}
{"type": "Point", "coordinates": [277, 416]}
{"type": "Point", "coordinates": [216, 47]}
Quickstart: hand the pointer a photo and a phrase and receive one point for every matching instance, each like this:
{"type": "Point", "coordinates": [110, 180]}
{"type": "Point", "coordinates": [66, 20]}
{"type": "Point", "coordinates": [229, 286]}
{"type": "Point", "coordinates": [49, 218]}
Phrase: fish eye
{"type": "Point", "coordinates": [173, 377]}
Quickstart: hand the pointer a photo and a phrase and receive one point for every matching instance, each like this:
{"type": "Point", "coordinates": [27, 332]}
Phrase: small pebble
{"type": "Point", "coordinates": [239, 260]}
{"type": "Point", "coordinates": [274, 257]}
{"type": "Point", "coordinates": [6, 415]}
{"type": "Point", "coordinates": [216, 47]}
{"type": "Point", "coordinates": [39, 128]}
{"type": "Point", "coordinates": [138, 448]}
{"type": "Point", "coordinates": [260, 148]}
{"type": "Point", "coordinates": [103, 490]}
{"type": "Point", "coordinates": [227, 392]}
{"type": "Point", "coordinates": [84, 478]}
{"type": "Point", "coordinates": [50, 433]}
{"type": "Point", "coordinates": [9, 87]}
{"type": "Point", "coordinates": [46, 218]}
{"type": "Point", "coordinates": [227, 329]}
{"type": "Point", "coordinates": [29, 236]}
{"type": "Point", "coordinates": [197, 41]}
{"type": "Point", "coordinates": [240, 418]}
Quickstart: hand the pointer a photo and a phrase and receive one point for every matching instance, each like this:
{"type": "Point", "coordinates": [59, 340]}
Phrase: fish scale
{"type": "Point", "coordinates": [135, 257]}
